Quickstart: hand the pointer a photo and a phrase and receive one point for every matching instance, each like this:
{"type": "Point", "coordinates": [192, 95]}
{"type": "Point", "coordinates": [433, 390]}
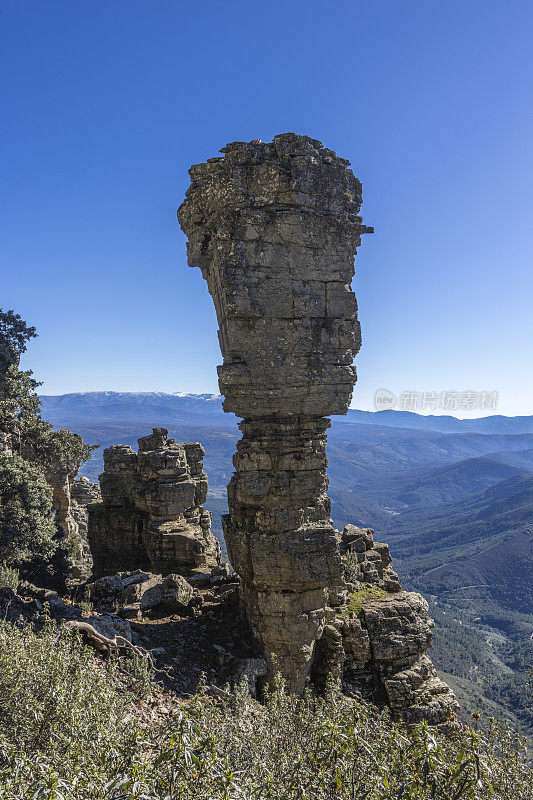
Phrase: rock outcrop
{"type": "Point", "coordinates": [274, 228]}
{"type": "Point", "coordinates": [135, 593]}
{"type": "Point", "coordinates": [381, 636]}
{"type": "Point", "coordinates": [71, 497]}
{"type": "Point", "coordinates": [151, 516]}
{"type": "Point", "coordinates": [82, 494]}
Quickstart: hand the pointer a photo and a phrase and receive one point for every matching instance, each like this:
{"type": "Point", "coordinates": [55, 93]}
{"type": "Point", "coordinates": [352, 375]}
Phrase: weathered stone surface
{"type": "Point", "coordinates": [137, 592]}
{"type": "Point", "coordinates": [148, 593]}
{"type": "Point", "coordinates": [110, 586]}
{"type": "Point", "coordinates": [249, 669]}
{"type": "Point", "coordinates": [116, 539]}
{"type": "Point", "coordinates": [329, 660]}
{"type": "Point", "coordinates": [82, 494]}
{"type": "Point", "coordinates": [384, 644]}
{"type": "Point", "coordinates": [274, 228]}
{"type": "Point", "coordinates": [178, 593]}
{"type": "Point", "coordinates": [151, 515]}
{"type": "Point", "coordinates": [370, 562]}
{"type": "Point", "coordinates": [108, 624]}
{"type": "Point", "coordinates": [72, 560]}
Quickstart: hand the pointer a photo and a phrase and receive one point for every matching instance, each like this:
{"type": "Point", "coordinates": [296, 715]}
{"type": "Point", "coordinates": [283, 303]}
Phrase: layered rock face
{"type": "Point", "coordinates": [61, 478]}
{"type": "Point", "coordinates": [82, 494]}
{"type": "Point", "coordinates": [274, 228]}
{"type": "Point", "coordinates": [151, 515]}
{"type": "Point", "coordinates": [376, 643]}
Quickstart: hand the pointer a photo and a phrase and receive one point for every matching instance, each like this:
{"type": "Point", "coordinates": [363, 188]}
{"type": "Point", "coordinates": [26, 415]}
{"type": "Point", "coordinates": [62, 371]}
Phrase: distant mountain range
{"type": "Point", "coordinates": [454, 499]}
{"type": "Point", "coordinates": [207, 409]}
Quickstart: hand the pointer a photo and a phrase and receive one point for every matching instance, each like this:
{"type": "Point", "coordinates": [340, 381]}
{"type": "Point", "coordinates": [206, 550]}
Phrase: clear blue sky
{"type": "Point", "coordinates": [106, 103]}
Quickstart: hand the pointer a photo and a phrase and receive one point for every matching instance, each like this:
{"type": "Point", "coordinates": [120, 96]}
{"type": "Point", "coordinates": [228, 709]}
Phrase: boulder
{"type": "Point", "coordinates": [178, 593]}
{"type": "Point", "coordinates": [248, 669]}
{"type": "Point", "coordinates": [147, 594]}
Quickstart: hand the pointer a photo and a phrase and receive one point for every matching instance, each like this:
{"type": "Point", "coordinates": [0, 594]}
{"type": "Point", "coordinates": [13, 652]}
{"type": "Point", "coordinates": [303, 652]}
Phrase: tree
{"type": "Point", "coordinates": [33, 452]}
{"type": "Point", "coordinates": [14, 336]}
{"type": "Point", "coordinates": [20, 409]}
{"type": "Point", "coordinates": [27, 524]}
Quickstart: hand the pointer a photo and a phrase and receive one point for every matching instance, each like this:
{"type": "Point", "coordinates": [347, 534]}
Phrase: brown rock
{"type": "Point", "coordinates": [152, 516]}
{"type": "Point", "coordinates": [274, 227]}
{"type": "Point", "coordinates": [178, 593]}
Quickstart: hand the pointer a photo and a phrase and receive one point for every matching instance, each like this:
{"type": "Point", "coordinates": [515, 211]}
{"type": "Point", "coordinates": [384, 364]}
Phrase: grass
{"type": "Point", "coordinates": [357, 599]}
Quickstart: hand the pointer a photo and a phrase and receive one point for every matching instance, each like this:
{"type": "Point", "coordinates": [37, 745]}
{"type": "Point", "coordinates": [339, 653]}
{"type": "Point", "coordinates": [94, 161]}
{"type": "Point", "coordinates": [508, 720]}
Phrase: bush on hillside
{"type": "Point", "coordinates": [9, 577]}
{"type": "Point", "coordinates": [27, 527]}
{"type": "Point", "coordinates": [71, 728]}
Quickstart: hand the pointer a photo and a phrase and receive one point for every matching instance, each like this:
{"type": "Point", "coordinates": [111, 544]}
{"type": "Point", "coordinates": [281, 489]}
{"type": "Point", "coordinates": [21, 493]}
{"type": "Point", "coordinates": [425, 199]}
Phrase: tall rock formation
{"type": "Point", "coordinates": [376, 643]}
{"type": "Point", "coordinates": [70, 498]}
{"type": "Point", "coordinates": [151, 515]}
{"type": "Point", "coordinates": [274, 229]}
{"type": "Point", "coordinates": [82, 494]}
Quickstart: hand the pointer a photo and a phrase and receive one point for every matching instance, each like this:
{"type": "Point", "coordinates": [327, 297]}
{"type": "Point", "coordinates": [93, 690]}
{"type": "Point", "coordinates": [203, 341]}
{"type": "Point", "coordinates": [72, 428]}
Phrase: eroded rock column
{"type": "Point", "coordinates": [152, 514]}
{"type": "Point", "coordinates": [274, 228]}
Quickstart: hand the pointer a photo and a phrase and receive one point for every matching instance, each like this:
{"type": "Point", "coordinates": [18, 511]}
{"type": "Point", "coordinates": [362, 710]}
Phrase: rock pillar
{"type": "Point", "coordinates": [274, 228]}
{"type": "Point", "coordinates": [151, 515]}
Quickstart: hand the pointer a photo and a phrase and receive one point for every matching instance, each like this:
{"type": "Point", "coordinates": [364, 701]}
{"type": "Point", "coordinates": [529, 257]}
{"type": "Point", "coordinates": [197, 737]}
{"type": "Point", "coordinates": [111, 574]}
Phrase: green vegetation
{"type": "Point", "coordinates": [32, 437]}
{"type": "Point", "coordinates": [27, 527]}
{"type": "Point", "coordinates": [9, 577]}
{"type": "Point", "coordinates": [73, 727]}
{"type": "Point", "coordinates": [20, 410]}
{"type": "Point", "coordinates": [488, 661]}
{"type": "Point", "coordinates": [27, 523]}
{"type": "Point", "coordinates": [357, 598]}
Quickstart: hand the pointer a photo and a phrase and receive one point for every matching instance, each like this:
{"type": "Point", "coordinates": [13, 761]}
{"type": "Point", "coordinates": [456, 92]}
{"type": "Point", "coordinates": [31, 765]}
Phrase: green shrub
{"type": "Point", "coordinates": [70, 728]}
{"type": "Point", "coordinates": [357, 598]}
{"type": "Point", "coordinates": [27, 526]}
{"type": "Point", "coordinates": [9, 577]}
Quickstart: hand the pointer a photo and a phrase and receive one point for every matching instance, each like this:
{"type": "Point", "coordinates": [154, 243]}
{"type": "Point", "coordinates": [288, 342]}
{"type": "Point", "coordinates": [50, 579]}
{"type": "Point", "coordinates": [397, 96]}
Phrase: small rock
{"type": "Point", "coordinates": [357, 540]}
{"type": "Point", "coordinates": [178, 593]}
